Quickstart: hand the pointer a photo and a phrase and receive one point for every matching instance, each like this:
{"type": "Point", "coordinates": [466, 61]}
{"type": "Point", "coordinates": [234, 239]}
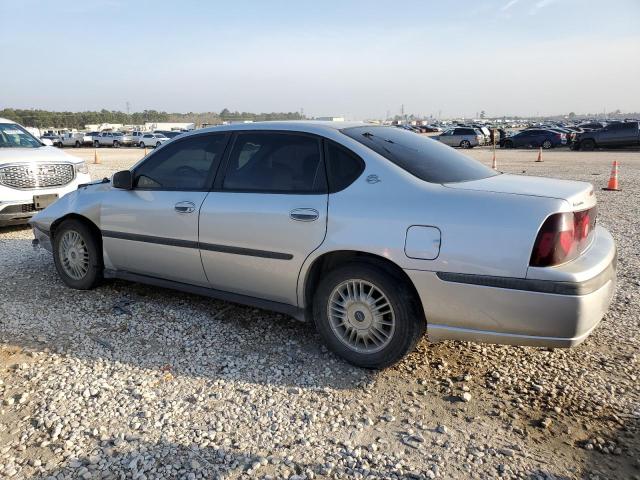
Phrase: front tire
{"type": "Point", "coordinates": [96, 144]}
{"type": "Point", "coordinates": [367, 316]}
{"type": "Point", "coordinates": [116, 144]}
{"type": "Point", "coordinates": [77, 144]}
{"type": "Point", "coordinates": [158, 144]}
{"type": "Point", "coordinates": [547, 144]}
{"type": "Point", "coordinates": [508, 144]}
{"type": "Point", "coordinates": [77, 256]}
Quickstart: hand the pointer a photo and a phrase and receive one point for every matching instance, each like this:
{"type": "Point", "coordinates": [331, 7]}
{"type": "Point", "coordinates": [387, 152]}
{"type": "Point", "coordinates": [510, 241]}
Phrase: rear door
{"type": "Point", "coordinates": [153, 228]}
{"type": "Point", "coordinates": [267, 213]}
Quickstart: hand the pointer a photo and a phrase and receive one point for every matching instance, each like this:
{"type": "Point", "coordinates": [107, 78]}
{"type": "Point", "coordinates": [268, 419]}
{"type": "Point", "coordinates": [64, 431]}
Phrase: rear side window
{"type": "Point", "coordinates": [185, 165]}
{"type": "Point", "coordinates": [275, 163]}
{"type": "Point", "coordinates": [426, 159]}
{"type": "Point", "coordinates": [343, 166]}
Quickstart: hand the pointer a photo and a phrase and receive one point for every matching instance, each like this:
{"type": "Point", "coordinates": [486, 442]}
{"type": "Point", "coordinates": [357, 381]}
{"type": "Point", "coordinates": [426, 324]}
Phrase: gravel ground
{"type": "Point", "coordinates": [129, 381]}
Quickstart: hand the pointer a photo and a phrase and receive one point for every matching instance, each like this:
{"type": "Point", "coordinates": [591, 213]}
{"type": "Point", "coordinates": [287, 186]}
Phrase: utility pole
{"type": "Point", "coordinates": [128, 107]}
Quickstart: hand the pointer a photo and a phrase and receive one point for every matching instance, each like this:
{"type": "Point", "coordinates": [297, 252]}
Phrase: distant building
{"type": "Point", "coordinates": [331, 119]}
{"type": "Point", "coordinates": [98, 127]}
{"type": "Point", "coordinates": [149, 126]}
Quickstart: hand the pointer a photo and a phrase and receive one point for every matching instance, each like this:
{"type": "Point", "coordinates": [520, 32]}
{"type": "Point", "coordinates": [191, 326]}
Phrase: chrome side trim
{"type": "Point", "coordinates": [175, 242]}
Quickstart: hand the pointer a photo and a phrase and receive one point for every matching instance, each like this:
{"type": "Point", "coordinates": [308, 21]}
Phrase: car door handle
{"type": "Point", "coordinates": [304, 214]}
{"type": "Point", "coordinates": [185, 207]}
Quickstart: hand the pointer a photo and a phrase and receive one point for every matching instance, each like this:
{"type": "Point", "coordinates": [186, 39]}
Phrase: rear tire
{"type": "Point", "coordinates": [96, 144]}
{"type": "Point", "coordinates": [77, 144]}
{"type": "Point", "coordinates": [116, 144]}
{"type": "Point", "coordinates": [77, 255]}
{"type": "Point", "coordinates": [465, 144]}
{"type": "Point", "coordinates": [587, 145]}
{"type": "Point", "coordinates": [381, 309]}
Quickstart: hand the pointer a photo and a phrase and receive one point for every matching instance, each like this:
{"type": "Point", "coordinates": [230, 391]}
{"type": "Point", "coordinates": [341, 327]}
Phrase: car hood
{"type": "Point", "coordinates": [30, 155]}
{"type": "Point", "coordinates": [579, 195]}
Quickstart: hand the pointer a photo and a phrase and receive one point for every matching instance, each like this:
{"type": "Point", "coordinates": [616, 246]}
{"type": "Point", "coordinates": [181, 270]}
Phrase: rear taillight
{"type": "Point", "coordinates": [562, 237]}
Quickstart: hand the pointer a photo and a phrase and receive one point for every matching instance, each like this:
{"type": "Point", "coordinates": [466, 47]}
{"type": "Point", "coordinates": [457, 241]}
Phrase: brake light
{"type": "Point", "coordinates": [562, 237]}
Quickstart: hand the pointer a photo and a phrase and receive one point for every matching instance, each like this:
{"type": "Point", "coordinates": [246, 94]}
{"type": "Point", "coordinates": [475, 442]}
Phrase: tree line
{"type": "Point", "coordinates": [46, 118]}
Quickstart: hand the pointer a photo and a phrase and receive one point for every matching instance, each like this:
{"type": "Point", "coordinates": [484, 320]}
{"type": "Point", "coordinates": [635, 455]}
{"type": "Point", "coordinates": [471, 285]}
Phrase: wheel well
{"type": "Point", "coordinates": [97, 234]}
{"type": "Point", "coordinates": [331, 260]}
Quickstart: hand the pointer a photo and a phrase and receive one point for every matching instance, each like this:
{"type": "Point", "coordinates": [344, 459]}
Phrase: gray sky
{"type": "Point", "coordinates": [359, 59]}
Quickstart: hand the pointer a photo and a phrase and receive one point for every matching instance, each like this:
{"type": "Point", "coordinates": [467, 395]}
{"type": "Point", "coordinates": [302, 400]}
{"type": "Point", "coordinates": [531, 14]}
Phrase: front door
{"type": "Point", "coordinates": [153, 228]}
{"type": "Point", "coordinates": [267, 214]}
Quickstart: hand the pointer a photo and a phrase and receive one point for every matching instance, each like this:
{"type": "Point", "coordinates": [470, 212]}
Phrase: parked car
{"type": "Point", "coordinates": [152, 140]}
{"type": "Point", "coordinates": [32, 175]}
{"type": "Point", "coordinates": [484, 130]}
{"type": "Point", "coordinates": [89, 137]}
{"type": "Point", "coordinates": [534, 138]}
{"type": "Point", "coordinates": [396, 234]}
{"type": "Point", "coordinates": [589, 126]}
{"type": "Point", "coordinates": [620, 134]}
{"type": "Point", "coordinates": [169, 133]}
{"type": "Point", "coordinates": [463, 137]}
{"type": "Point", "coordinates": [136, 136]}
{"type": "Point", "coordinates": [70, 139]}
{"type": "Point", "coordinates": [52, 137]}
{"type": "Point", "coordinates": [111, 139]}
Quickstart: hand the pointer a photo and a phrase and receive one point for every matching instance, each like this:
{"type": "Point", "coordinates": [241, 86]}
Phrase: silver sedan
{"type": "Point", "coordinates": [374, 233]}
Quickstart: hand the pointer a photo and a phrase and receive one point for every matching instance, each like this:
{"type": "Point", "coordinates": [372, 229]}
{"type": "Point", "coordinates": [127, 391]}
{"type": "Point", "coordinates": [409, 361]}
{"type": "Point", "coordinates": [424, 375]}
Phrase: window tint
{"type": "Point", "coordinates": [343, 167]}
{"type": "Point", "coordinates": [275, 162]}
{"type": "Point", "coordinates": [421, 156]}
{"type": "Point", "coordinates": [184, 165]}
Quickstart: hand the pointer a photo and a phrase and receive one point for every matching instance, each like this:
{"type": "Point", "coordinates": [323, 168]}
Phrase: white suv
{"type": "Point", "coordinates": [33, 175]}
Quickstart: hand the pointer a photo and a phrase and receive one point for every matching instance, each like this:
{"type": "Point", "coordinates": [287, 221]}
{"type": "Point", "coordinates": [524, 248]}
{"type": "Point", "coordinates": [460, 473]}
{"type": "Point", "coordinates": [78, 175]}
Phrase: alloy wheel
{"type": "Point", "coordinates": [74, 255]}
{"type": "Point", "coordinates": [361, 316]}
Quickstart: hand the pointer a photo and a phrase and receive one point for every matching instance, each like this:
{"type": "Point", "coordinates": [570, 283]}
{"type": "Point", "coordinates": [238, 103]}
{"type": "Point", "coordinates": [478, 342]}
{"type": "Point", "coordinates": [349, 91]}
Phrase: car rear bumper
{"type": "Point", "coordinates": [532, 311]}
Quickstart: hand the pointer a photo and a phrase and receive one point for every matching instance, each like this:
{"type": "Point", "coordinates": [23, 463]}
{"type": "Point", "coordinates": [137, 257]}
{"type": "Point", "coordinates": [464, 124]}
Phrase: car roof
{"type": "Point", "coordinates": [307, 126]}
{"type": "Point", "coordinates": [6, 120]}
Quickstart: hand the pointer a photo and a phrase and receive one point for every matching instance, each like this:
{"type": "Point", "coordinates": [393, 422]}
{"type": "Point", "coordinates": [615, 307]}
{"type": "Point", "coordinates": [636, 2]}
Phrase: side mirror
{"type": "Point", "coordinates": [123, 180]}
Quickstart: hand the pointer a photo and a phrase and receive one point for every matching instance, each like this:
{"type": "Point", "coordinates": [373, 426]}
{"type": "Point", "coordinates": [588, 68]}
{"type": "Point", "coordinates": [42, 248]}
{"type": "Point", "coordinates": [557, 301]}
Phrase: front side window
{"type": "Point", "coordinates": [185, 165]}
{"type": "Point", "coordinates": [275, 162]}
{"type": "Point", "coordinates": [421, 156]}
{"type": "Point", "coordinates": [13, 135]}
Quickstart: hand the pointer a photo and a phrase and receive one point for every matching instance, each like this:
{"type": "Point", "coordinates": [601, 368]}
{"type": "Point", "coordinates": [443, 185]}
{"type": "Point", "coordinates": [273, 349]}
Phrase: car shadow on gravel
{"type": "Point", "coordinates": [118, 458]}
{"type": "Point", "coordinates": [153, 328]}
{"type": "Point", "coordinates": [614, 453]}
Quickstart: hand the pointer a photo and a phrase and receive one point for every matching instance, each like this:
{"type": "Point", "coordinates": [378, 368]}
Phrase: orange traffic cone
{"type": "Point", "coordinates": [494, 164]}
{"type": "Point", "coordinates": [96, 158]}
{"type": "Point", "coordinates": [539, 155]}
{"type": "Point", "coordinates": [145, 151]}
{"type": "Point", "coordinates": [613, 179]}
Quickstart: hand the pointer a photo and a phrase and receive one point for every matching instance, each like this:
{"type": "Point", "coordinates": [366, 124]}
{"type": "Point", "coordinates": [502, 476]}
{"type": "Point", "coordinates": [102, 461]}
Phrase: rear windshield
{"type": "Point", "coordinates": [427, 159]}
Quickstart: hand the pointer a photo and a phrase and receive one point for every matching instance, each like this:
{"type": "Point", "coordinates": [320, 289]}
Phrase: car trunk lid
{"type": "Point", "coordinates": [579, 195]}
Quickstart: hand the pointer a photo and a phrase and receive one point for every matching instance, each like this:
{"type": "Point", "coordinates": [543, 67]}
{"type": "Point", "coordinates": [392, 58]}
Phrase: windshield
{"type": "Point", "coordinates": [427, 159]}
{"type": "Point", "coordinates": [13, 135]}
